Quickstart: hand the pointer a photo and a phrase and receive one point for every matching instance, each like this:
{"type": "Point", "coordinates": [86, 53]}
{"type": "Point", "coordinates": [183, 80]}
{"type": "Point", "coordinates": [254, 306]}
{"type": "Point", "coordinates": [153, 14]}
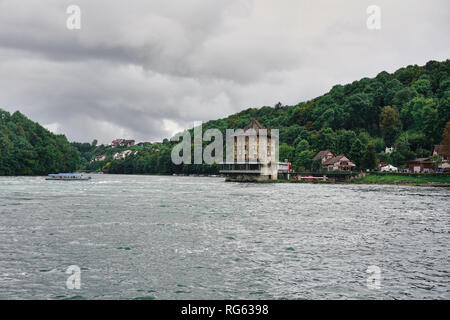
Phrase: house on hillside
{"type": "Point", "coordinates": [339, 162]}
{"type": "Point", "coordinates": [420, 165]}
{"type": "Point", "coordinates": [389, 150]}
{"type": "Point", "coordinates": [331, 162]}
{"type": "Point", "coordinates": [100, 158]}
{"type": "Point", "coordinates": [388, 168]}
{"type": "Point", "coordinates": [124, 154]}
{"type": "Point", "coordinates": [324, 155]}
{"type": "Point", "coordinates": [122, 143]}
{"type": "Point", "coordinates": [439, 150]}
{"type": "Point", "coordinates": [146, 143]}
{"type": "Point", "coordinates": [429, 164]}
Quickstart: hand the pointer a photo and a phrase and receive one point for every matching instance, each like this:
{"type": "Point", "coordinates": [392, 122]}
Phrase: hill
{"type": "Point", "coordinates": [27, 148]}
{"type": "Point", "coordinates": [407, 109]}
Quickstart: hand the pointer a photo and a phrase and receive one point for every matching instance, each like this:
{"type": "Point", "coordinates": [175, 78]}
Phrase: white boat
{"type": "Point", "coordinates": [67, 177]}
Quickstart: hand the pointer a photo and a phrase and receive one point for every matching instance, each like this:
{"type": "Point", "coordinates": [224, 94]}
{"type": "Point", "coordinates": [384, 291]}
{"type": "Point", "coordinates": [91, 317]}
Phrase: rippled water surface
{"type": "Point", "coordinates": [150, 237]}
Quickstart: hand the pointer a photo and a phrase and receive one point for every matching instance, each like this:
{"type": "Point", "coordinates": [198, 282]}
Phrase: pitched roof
{"type": "Point", "coordinates": [335, 159]}
{"type": "Point", "coordinates": [440, 149]}
{"type": "Point", "coordinates": [255, 125]}
{"type": "Point", "coordinates": [421, 160]}
{"type": "Point", "coordinates": [321, 154]}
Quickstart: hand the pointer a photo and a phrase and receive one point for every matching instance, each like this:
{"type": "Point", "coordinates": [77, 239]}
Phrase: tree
{"type": "Point", "coordinates": [326, 139]}
{"type": "Point", "coordinates": [403, 151]}
{"type": "Point", "coordinates": [316, 165]}
{"type": "Point", "coordinates": [302, 145]}
{"type": "Point", "coordinates": [412, 114]}
{"type": "Point", "coordinates": [360, 111]}
{"type": "Point", "coordinates": [344, 141]}
{"type": "Point", "coordinates": [369, 160]}
{"type": "Point", "coordinates": [403, 96]}
{"type": "Point", "coordinates": [437, 160]}
{"type": "Point", "coordinates": [391, 88]}
{"type": "Point", "coordinates": [422, 86]}
{"type": "Point", "coordinates": [286, 152]}
{"type": "Point", "coordinates": [390, 124]}
{"type": "Point", "coordinates": [429, 124]}
{"type": "Point", "coordinates": [303, 155]}
{"type": "Point", "coordinates": [303, 160]}
{"type": "Point", "coordinates": [357, 151]}
{"type": "Point", "coordinates": [27, 148]}
{"type": "Point", "coordinates": [446, 139]}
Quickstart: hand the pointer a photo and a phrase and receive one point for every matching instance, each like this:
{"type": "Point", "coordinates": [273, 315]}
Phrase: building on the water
{"type": "Point", "coordinates": [254, 155]}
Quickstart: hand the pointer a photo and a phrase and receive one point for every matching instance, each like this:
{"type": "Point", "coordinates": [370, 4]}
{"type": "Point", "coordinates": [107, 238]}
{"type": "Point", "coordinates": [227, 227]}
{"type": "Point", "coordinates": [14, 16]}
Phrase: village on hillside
{"type": "Point", "coordinates": [440, 162]}
{"type": "Point", "coordinates": [325, 164]}
{"type": "Point", "coordinates": [124, 143]}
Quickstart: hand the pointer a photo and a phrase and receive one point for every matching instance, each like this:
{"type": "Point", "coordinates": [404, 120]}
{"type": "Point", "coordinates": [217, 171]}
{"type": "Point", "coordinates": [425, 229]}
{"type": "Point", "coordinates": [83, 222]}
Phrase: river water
{"type": "Point", "coordinates": [156, 237]}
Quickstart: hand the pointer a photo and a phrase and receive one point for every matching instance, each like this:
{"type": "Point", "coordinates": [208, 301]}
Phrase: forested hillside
{"type": "Point", "coordinates": [407, 109]}
{"type": "Point", "coordinates": [26, 148]}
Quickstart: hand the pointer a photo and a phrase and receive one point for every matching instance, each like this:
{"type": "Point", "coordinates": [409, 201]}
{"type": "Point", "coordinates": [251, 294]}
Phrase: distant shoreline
{"type": "Point", "coordinates": [425, 181]}
{"type": "Point", "coordinates": [411, 184]}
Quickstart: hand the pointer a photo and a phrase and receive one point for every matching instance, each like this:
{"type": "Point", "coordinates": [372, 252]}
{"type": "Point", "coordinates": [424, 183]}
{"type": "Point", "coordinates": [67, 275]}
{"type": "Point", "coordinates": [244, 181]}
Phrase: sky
{"type": "Point", "coordinates": [145, 70]}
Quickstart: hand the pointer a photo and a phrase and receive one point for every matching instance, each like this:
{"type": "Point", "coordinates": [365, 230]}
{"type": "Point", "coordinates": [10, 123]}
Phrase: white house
{"type": "Point", "coordinates": [389, 168]}
{"type": "Point", "coordinates": [123, 154]}
{"type": "Point", "coordinates": [389, 150]}
{"type": "Point", "coordinates": [100, 158]}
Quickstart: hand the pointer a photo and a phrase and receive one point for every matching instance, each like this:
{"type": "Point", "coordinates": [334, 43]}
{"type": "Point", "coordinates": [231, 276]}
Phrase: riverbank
{"type": "Point", "coordinates": [385, 179]}
{"type": "Point", "coordinates": [370, 178]}
{"type": "Point", "coordinates": [398, 179]}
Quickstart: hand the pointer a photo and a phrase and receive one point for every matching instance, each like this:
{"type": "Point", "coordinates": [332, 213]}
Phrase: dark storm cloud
{"type": "Point", "coordinates": [145, 69]}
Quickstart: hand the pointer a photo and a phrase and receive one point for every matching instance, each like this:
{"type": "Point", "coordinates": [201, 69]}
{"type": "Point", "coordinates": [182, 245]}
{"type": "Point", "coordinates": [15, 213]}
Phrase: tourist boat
{"type": "Point", "coordinates": [67, 177]}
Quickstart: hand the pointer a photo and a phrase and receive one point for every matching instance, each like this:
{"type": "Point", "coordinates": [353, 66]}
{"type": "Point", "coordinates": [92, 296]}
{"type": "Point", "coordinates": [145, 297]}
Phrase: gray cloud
{"type": "Point", "coordinates": [145, 69]}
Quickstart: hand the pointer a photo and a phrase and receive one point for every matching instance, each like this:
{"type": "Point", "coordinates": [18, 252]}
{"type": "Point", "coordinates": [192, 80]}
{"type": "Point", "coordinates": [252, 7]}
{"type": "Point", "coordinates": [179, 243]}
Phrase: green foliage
{"type": "Point", "coordinates": [390, 124]}
{"type": "Point", "coordinates": [422, 86]}
{"type": "Point", "coordinates": [446, 138]}
{"type": "Point", "coordinates": [403, 151]}
{"type": "Point", "coordinates": [369, 160]}
{"type": "Point", "coordinates": [26, 148]}
{"type": "Point", "coordinates": [357, 151]}
{"type": "Point", "coordinates": [437, 160]}
{"type": "Point", "coordinates": [303, 160]}
{"type": "Point", "coordinates": [316, 165]}
{"type": "Point", "coordinates": [286, 152]}
{"type": "Point", "coordinates": [416, 179]}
